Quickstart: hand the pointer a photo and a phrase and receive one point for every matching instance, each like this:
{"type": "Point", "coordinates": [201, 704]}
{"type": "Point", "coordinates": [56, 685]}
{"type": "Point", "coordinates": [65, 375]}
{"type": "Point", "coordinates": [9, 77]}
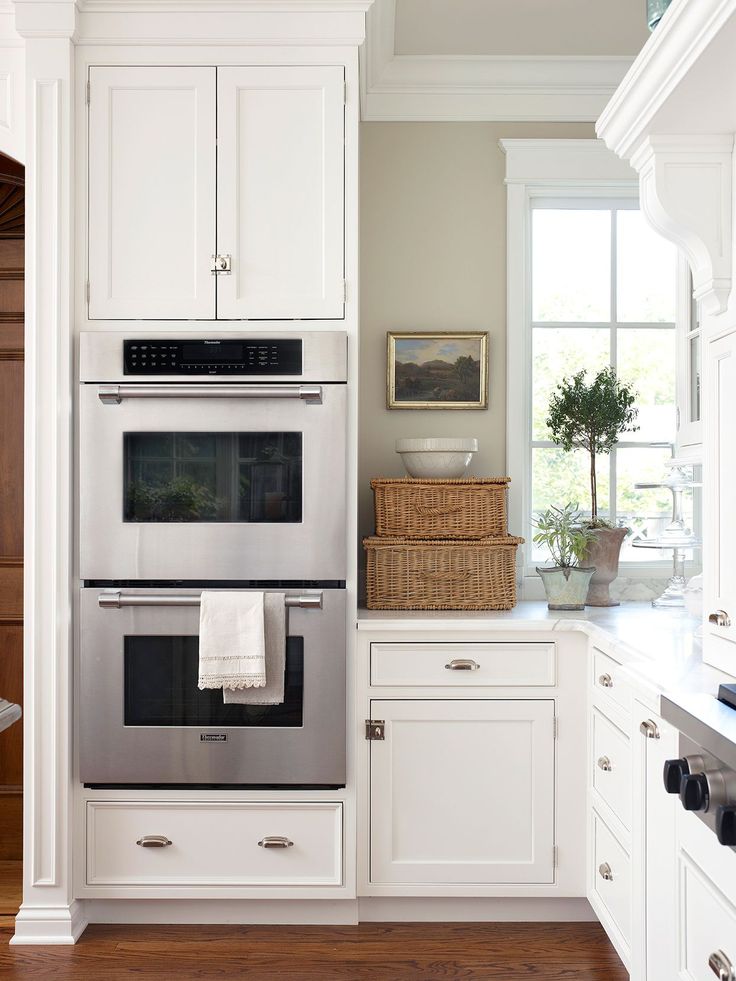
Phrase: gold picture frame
{"type": "Point", "coordinates": [452, 381]}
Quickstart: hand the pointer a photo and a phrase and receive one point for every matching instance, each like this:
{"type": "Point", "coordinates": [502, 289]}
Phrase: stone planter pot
{"type": "Point", "coordinates": [566, 589]}
{"type": "Point", "coordinates": [604, 553]}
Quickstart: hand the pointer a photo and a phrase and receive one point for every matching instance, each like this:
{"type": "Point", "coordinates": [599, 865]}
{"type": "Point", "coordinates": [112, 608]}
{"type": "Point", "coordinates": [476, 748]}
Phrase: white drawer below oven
{"type": "Point", "coordinates": [221, 843]}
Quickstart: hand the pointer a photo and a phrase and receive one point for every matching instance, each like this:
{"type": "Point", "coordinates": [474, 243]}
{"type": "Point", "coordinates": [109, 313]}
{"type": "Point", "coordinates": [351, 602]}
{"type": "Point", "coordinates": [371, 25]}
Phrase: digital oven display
{"type": "Point", "coordinates": [239, 357]}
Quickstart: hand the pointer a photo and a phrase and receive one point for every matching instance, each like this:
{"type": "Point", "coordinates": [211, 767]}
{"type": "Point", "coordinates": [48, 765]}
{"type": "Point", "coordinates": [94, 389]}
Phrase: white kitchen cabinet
{"type": "Point", "coordinates": [280, 192]}
{"type": "Point", "coordinates": [720, 513]}
{"type": "Point", "coordinates": [462, 792]}
{"type": "Point", "coordinates": [241, 163]}
{"type": "Point", "coordinates": [152, 147]}
{"type": "Point", "coordinates": [654, 923]}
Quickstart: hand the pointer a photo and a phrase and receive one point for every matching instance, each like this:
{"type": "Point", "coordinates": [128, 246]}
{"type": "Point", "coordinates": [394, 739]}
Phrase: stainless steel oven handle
{"type": "Point", "coordinates": [116, 600]}
{"type": "Point", "coordinates": [114, 394]}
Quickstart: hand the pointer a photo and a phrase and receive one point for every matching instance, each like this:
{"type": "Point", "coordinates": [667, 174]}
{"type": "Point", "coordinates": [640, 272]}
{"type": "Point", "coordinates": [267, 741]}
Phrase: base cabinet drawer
{"type": "Point", "coordinates": [213, 843]}
{"type": "Point", "coordinates": [708, 927]}
{"type": "Point", "coordinates": [472, 665]}
{"type": "Point", "coordinates": [612, 766]}
{"type": "Point", "coordinates": [611, 876]}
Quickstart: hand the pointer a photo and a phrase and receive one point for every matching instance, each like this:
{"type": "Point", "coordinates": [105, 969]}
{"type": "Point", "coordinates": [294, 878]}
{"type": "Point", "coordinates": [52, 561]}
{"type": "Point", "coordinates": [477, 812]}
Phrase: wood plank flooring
{"type": "Point", "coordinates": [368, 952]}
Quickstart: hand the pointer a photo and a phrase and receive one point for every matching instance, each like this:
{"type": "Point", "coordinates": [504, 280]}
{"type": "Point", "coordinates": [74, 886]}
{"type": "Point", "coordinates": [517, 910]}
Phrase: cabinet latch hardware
{"type": "Point", "coordinates": [221, 265]}
{"type": "Point", "coordinates": [87, 93]}
{"type": "Point", "coordinates": [375, 730]}
{"type": "Point", "coordinates": [721, 966]}
{"type": "Point", "coordinates": [720, 618]}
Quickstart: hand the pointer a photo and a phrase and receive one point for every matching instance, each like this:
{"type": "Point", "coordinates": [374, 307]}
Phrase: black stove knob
{"type": "Point", "coordinates": [674, 771]}
{"type": "Point", "coordinates": [726, 824]}
{"type": "Point", "coordinates": [694, 792]}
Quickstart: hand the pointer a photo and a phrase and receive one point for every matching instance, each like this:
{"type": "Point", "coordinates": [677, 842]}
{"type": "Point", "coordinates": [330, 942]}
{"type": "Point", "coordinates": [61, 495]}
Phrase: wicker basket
{"type": "Point", "coordinates": [406, 574]}
{"type": "Point", "coordinates": [408, 508]}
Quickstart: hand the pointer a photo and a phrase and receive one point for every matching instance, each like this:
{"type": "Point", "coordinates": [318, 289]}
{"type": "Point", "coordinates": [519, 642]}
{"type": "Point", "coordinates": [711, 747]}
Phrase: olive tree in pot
{"type": "Point", "coordinates": [566, 582]}
{"type": "Point", "coordinates": [591, 417]}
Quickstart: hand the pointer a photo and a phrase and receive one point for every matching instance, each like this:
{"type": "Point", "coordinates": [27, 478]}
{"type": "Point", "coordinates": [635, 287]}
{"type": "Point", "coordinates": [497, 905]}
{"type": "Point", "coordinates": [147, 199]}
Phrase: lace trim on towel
{"type": "Point", "coordinates": [231, 684]}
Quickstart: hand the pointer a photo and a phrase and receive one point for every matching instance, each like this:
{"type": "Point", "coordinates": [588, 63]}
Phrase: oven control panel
{"type": "Point", "coordinates": [206, 356]}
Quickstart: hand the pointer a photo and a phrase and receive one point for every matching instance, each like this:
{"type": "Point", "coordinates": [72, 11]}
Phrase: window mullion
{"type": "Point", "coordinates": [612, 497]}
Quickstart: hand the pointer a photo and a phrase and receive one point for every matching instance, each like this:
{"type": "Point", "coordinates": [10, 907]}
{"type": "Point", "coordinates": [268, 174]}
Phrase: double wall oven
{"type": "Point", "coordinates": [209, 462]}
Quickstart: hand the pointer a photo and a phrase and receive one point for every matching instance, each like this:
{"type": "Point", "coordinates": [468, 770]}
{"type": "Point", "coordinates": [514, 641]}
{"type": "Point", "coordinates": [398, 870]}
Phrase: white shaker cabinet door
{"type": "Point", "coordinates": [719, 510]}
{"type": "Point", "coordinates": [280, 196]}
{"type": "Point", "coordinates": [151, 193]}
{"type": "Point", "coordinates": [462, 792]}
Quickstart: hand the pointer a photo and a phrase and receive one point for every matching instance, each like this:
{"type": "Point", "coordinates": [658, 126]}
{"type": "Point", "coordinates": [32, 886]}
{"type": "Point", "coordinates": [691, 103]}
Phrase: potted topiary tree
{"type": "Point", "coordinates": [591, 417]}
{"type": "Point", "coordinates": [566, 582]}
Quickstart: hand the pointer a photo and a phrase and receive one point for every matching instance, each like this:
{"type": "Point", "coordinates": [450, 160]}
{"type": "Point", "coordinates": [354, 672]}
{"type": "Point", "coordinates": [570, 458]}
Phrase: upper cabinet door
{"type": "Point", "coordinates": [152, 148]}
{"type": "Point", "coordinates": [280, 195]}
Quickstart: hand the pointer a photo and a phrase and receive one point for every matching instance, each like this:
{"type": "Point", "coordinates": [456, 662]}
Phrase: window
{"type": "Point", "coordinates": [603, 291]}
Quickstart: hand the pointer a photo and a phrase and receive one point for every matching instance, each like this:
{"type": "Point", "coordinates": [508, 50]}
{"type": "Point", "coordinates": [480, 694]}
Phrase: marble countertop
{"type": "Point", "coordinates": [660, 648]}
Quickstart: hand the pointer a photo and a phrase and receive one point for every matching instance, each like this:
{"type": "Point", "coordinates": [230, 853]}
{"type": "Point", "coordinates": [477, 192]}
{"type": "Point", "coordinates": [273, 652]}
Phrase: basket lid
{"type": "Point", "coordinates": [435, 481]}
{"type": "Point", "coordinates": [498, 541]}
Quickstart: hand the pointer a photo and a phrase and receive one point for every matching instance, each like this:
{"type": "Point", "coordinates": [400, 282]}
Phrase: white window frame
{"type": "Point", "coordinates": [579, 169]}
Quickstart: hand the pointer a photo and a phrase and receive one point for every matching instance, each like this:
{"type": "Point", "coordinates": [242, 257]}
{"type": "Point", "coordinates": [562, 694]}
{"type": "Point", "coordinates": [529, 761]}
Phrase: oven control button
{"type": "Point", "coordinates": [726, 824]}
{"type": "Point", "coordinates": [674, 771]}
{"type": "Point", "coordinates": [694, 793]}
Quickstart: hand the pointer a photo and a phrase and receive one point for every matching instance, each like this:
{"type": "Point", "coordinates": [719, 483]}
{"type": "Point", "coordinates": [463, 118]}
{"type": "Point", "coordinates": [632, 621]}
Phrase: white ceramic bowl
{"type": "Point", "coordinates": [436, 456]}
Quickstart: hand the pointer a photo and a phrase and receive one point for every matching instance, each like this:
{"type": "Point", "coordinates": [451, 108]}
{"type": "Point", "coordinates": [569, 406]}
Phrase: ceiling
{"type": "Point", "coordinates": [520, 27]}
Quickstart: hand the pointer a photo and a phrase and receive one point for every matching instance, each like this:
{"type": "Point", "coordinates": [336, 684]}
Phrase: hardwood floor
{"type": "Point", "coordinates": [369, 952]}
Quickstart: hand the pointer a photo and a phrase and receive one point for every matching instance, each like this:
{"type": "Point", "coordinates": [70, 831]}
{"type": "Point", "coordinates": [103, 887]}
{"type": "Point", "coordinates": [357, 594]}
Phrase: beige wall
{"type": "Point", "coordinates": [433, 257]}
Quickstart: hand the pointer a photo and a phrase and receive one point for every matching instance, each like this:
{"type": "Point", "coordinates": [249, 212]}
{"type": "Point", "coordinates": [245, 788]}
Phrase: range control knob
{"type": "Point", "coordinates": [726, 824]}
{"type": "Point", "coordinates": [674, 771]}
{"type": "Point", "coordinates": [694, 793]}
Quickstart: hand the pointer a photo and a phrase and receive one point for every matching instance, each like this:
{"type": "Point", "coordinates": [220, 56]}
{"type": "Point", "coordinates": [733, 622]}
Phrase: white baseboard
{"type": "Point", "coordinates": [277, 911]}
{"type": "Point", "coordinates": [50, 924]}
{"type": "Point", "coordinates": [379, 909]}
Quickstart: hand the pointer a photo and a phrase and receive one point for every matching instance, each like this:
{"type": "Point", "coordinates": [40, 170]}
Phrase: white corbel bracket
{"type": "Point", "coordinates": [685, 189]}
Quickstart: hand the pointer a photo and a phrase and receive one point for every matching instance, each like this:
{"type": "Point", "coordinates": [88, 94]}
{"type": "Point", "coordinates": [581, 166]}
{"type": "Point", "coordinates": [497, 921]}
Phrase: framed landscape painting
{"type": "Point", "coordinates": [437, 371]}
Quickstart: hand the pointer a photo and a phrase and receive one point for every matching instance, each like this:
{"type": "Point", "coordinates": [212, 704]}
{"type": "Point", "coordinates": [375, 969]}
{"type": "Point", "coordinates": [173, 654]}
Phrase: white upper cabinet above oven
{"type": "Point", "coordinates": [280, 192]}
{"type": "Point", "coordinates": [152, 144]}
{"type": "Point", "coordinates": [237, 169]}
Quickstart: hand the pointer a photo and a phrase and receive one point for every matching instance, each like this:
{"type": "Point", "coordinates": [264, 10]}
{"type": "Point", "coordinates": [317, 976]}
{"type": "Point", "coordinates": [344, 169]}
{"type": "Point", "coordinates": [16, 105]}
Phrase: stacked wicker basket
{"type": "Point", "coordinates": [441, 545]}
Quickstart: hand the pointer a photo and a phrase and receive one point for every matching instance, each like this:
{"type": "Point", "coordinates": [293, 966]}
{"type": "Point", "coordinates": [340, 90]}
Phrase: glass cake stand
{"type": "Point", "coordinates": [676, 535]}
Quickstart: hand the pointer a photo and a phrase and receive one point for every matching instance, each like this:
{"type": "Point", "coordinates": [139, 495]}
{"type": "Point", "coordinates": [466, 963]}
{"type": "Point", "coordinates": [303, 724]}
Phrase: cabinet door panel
{"type": "Point", "coordinates": [280, 192]}
{"type": "Point", "coordinates": [151, 192]}
{"type": "Point", "coordinates": [719, 512]}
{"type": "Point", "coordinates": [462, 792]}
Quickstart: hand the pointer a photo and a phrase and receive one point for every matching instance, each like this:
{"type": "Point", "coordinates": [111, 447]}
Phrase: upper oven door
{"type": "Point", "coordinates": [212, 481]}
{"type": "Point", "coordinates": [143, 720]}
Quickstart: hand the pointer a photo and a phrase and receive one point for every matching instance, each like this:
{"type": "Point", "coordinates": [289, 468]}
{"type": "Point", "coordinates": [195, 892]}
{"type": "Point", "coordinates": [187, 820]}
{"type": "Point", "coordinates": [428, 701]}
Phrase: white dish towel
{"type": "Point", "coordinates": [274, 617]}
{"type": "Point", "coordinates": [232, 649]}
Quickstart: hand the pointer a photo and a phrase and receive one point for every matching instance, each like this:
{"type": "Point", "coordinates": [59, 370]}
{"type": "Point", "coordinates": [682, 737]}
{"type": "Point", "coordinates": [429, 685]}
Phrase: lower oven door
{"type": "Point", "coordinates": [143, 720]}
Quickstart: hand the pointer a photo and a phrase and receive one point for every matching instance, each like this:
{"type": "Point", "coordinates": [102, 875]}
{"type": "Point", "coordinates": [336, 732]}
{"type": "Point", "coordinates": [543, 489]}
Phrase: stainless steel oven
{"type": "Point", "coordinates": [206, 457]}
{"type": "Point", "coordinates": [144, 721]}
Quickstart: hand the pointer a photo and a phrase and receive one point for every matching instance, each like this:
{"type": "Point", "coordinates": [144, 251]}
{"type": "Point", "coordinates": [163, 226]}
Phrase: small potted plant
{"type": "Point", "coordinates": [591, 417]}
{"type": "Point", "coordinates": [566, 582]}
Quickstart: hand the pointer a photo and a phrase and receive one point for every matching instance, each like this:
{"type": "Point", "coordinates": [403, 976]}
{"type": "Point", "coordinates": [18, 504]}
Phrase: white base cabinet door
{"type": "Point", "coordinates": [462, 792]}
{"type": "Point", "coordinates": [151, 193]}
{"type": "Point", "coordinates": [280, 192]}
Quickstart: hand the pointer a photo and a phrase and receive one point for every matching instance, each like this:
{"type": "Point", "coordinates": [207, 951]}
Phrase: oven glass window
{"type": "Point", "coordinates": [245, 477]}
{"type": "Point", "coordinates": [160, 688]}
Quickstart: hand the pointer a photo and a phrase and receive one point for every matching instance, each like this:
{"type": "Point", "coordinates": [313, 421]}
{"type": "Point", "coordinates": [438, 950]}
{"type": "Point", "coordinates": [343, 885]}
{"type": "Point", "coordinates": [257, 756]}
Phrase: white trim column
{"type": "Point", "coordinates": [48, 914]}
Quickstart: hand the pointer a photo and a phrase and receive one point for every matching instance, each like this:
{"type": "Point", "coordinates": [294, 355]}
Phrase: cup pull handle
{"type": "Point", "coordinates": [275, 841]}
{"type": "Point", "coordinates": [606, 872]}
{"type": "Point", "coordinates": [721, 966]}
{"type": "Point", "coordinates": [154, 841]}
{"type": "Point", "coordinates": [462, 664]}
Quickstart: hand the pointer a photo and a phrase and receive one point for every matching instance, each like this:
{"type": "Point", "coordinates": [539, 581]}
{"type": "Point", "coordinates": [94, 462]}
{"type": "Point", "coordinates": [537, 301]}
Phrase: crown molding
{"type": "Point", "coordinates": [494, 88]}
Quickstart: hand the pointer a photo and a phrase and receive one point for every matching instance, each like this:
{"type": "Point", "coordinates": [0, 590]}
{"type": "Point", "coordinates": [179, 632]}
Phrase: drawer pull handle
{"type": "Point", "coordinates": [606, 872]}
{"type": "Point", "coordinates": [720, 618]}
{"type": "Point", "coordinates": [721, 966]}
{"type": "Point", "coordinates": [427, 511]}
{"type": "Point", "coordinates": [154, 841]}
{"type": "Point", "coordinates": [649, 729]}
{"type": "Point", "coordinates": [605, 764]}
{"type": "Point", "coordinates": [605, 681]}
{"type": "Point", "coordinates": [275, 841]}
{"type": "Point", "coordinates": [462, 664]}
